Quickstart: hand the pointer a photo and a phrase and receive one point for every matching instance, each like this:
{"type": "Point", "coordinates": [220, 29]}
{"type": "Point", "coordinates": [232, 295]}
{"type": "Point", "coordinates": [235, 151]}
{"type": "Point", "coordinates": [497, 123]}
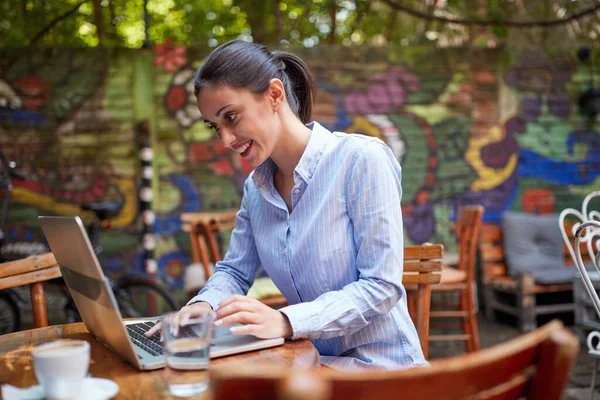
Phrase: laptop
{"type": "Point", "coordinates": [98, 307]}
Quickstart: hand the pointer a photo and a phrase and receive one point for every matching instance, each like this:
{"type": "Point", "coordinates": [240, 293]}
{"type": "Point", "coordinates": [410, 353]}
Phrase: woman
{"type": "Point", "coordinates": [321, 213]}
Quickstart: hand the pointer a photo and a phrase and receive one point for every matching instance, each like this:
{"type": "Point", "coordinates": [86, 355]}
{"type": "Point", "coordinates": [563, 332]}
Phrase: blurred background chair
{"type": "Point", "coordinates": [533, 366]}
{"type": "Point", "coordinates": [461, 281]}
{"type": "Point", "coordinates": [32, 271]}
{"type": "Point", "coordinates": [207, 231]}
{"type": "Point", "coordinates": [422, 269]}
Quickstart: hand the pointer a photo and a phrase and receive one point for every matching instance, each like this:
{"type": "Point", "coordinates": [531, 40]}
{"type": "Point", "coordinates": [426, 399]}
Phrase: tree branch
{"type": "Point", "coordinates": [54, 22]}
{"type": "Point", "coordinates": [99, 21]}
{"type": "Point", "coordinates": [332, 14]}
{"type": "Point", "coordinates": [277, 12]}
{"type": "Point", "coordinates": [516, 24]}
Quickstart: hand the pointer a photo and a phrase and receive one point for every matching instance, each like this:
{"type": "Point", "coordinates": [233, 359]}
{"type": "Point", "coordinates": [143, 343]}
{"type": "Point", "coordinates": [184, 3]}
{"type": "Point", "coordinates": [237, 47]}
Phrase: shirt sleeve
{"type": "Point", "coordinates": [373, 197]}
{"type": "Point", "coordinates": [235, 273]}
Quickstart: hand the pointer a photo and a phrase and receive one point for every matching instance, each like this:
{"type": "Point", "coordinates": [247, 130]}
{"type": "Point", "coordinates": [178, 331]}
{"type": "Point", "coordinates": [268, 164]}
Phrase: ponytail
{"type": "Point", "coordinates": [302, 87]}
{"type": "Point", "coordinates": [252, 66]}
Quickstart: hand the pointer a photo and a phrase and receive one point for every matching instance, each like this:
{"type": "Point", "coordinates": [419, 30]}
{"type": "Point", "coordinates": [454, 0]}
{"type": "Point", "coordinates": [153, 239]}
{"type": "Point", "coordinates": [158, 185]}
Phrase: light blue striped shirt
{"type": "Point", "coordinates": [337, 257]}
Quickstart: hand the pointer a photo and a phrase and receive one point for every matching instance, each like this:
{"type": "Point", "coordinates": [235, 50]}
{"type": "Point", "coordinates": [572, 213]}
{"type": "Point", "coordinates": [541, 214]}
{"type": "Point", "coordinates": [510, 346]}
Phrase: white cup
{"type": "Point", "coordinates": [61, 366]}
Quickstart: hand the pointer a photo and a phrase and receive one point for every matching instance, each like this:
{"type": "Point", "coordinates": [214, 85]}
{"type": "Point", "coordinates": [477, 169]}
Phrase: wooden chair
{"type": "Point", "coordinates": [422, 268]}
{"type": "Point", "coordinates": [461, 280]}
{"type": "Point", "coordinates": [32, 271]}
{"type": "Point", "coordinates": [533, 366]}
{"type": "Point", "coordinates": [202, 228]}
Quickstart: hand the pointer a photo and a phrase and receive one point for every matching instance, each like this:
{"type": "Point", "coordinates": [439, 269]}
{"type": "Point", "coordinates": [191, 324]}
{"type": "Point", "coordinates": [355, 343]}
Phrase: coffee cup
{"type": "Point", "coordinates": [61, 366]}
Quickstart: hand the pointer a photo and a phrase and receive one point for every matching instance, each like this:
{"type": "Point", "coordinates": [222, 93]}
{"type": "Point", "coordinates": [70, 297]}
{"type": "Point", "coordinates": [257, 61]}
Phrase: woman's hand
{"type": "Point", "coordinates": [183, 315]}
{"type": "Point", "coordinates": [258, 319]}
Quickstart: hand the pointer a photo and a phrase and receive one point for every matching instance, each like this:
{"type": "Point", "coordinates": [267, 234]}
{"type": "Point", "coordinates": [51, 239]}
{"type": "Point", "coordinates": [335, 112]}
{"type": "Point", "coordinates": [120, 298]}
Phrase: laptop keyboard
{"type": "Point", "coordinates": [151, 344]}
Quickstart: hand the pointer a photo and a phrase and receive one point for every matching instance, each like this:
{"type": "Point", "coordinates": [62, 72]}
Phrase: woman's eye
{"type": "Point", "coordinates": [230, 117]}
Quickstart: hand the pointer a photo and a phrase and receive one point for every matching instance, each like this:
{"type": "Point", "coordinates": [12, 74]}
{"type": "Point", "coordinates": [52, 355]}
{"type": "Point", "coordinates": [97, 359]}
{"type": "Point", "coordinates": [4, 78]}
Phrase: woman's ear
{"type": "Point", "coordinates": [276, 93]}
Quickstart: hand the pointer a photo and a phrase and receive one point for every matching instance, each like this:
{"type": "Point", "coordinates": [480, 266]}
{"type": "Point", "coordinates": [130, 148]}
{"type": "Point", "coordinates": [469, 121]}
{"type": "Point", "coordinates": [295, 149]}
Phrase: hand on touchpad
{"type": "Point", "coordinates": [223, 331]}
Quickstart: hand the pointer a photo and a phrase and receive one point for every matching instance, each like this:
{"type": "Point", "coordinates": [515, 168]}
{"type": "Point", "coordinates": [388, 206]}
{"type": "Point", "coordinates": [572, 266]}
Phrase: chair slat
{"type": "Point", "coordinates": [490, 233]}
{"type": "Point", "coordinates": [495, 269]}
{"type": "Point", "coordinates": [491, 253]}
{"type": "Point", "coordinates": [426, 266]}
{"type": "Point", "coordinates": [29, 264]}
{"type": "Point", "coordinates": [420, 279]}
{"type": "Point", "coordinates": [30, 277]}
{"type": "Point", "coordinates": [424, 252]}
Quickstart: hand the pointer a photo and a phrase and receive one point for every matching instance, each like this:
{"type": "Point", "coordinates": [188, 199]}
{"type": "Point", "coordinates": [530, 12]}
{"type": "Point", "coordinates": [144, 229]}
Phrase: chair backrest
{"type": "Point", "coordinates": [533, 366]}
{"type": "Point", "coordinates": [422, 267]}
{"type": "Point", "coordinates": [31, 271]}
{"type": "Point", "coordinates": [581, 235]}
{"type": "Point", "coordinates": [202, 228]}
{"type": "Point", "coordinates": [467, 227]}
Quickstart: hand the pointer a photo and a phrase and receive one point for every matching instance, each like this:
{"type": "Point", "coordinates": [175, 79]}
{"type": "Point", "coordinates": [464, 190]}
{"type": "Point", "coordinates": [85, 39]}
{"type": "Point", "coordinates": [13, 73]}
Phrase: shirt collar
{"type": "Point", "coordinates": [308, 162]}
{"type": "Point", "coordinates": [312, 154]}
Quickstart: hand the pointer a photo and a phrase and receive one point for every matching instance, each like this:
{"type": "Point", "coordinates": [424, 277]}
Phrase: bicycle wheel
{"type": "Point", "coordinates": [10, 318]}
{"type": "Point", "coordinates": [140, 297]}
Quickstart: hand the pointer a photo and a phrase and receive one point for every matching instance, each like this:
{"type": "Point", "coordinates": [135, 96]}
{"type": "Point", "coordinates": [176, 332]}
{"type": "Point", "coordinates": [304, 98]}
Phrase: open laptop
{"type": "Point", "coordinates": [98, 307]}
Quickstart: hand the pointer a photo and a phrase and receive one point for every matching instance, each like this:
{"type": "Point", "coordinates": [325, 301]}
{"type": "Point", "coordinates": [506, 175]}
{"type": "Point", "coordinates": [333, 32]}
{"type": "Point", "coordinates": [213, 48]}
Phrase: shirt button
{"type": "Point", "coordinates": [284, 252]}
{"type": "Point", "coordinates": [296, 190]}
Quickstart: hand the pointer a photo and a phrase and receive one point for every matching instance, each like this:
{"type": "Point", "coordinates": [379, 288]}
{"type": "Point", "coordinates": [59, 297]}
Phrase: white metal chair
{"type": "Point", "coordinates": [583, 232]}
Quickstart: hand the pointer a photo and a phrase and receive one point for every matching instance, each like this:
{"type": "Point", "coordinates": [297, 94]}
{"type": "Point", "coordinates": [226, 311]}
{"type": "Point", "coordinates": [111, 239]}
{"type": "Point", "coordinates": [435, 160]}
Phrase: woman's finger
{"type": "Point", "coordinates": [231, 299]}
{"type": "Point", "coordinates": [184, 318]}
{"type": "Point", "coordinates": [250, 329]}
{"type": "Point", "coordinates": [243, 318]}
{"type": "Point", "coordinates": [171, 322]}
{"type": "Point", "coordinates": [232, 308]}
{"type": "Point", "coordinates": [153, 330]}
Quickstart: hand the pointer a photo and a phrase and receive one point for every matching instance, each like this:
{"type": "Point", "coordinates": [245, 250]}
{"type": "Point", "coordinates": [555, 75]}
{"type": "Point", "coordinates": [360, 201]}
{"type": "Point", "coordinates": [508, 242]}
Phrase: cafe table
{"type": "Point", "coordinates": [16, 363]}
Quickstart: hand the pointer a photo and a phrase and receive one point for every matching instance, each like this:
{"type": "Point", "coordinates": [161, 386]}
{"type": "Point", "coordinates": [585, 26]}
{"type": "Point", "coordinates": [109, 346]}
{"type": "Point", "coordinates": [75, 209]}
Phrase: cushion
{"type": "Point", "coordinates": [452, 275]}
{"type": "Point", "coordinates": [533, 245]}
{"type": "Point", "coordinates": [263, 288]}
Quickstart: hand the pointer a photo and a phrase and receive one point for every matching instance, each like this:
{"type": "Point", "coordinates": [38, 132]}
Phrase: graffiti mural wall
{"type": "Point", "coordinates": [66, 119]}
{"type": "Point", "coordinates": [504, 134]}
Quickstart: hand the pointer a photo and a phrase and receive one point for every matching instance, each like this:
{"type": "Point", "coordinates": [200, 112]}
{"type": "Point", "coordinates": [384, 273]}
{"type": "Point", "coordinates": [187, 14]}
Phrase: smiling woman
{"type": "Point", "coordinates": [320, 213]}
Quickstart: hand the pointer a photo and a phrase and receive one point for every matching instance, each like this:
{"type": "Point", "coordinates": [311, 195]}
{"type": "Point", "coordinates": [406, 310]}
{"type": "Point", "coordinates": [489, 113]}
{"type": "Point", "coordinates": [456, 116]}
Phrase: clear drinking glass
{"type": "Point", "coordinates": [186, 344]}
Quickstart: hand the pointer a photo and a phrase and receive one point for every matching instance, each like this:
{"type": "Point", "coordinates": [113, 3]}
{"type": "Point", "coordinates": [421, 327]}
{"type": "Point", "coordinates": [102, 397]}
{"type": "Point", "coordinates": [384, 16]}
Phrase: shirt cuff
{"type": "Point", "coordinates": [210, 297]}
{"type": "Point", "coordinates": [303, 319]}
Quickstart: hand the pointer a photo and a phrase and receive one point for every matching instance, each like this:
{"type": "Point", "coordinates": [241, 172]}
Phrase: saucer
{"type": "Point", "coordinates": [99, 388]}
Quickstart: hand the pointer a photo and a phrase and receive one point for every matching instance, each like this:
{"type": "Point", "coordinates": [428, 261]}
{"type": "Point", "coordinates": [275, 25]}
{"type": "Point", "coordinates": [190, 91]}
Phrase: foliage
{"type": "Point", "coordinates": [121, 23]}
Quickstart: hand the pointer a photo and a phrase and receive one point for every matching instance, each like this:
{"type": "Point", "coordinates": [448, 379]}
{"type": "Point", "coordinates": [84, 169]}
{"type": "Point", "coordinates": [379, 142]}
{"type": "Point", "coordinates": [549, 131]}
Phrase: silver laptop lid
{"type": "Point", "coordinates": [87, 284]}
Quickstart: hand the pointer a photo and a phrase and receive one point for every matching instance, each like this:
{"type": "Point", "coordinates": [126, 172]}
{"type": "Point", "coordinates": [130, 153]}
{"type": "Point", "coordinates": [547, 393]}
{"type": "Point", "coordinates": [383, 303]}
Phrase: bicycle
{"type": "Point", "coordinates": [137, 295]}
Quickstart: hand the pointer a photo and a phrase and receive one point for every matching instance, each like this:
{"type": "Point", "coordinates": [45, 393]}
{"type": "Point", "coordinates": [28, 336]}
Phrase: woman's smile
{"type": "Point", "coordinates": [244, 149]}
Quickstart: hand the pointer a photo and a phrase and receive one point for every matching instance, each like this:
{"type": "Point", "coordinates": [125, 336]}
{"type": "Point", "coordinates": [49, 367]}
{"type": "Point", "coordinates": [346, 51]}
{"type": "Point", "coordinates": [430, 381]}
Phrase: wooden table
{"type": "Point", "coordinates": [16, 363]}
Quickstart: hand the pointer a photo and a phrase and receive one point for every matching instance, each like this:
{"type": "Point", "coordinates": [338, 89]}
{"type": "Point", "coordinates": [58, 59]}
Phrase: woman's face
{"type": "Point", "coordinates": [244, 121]}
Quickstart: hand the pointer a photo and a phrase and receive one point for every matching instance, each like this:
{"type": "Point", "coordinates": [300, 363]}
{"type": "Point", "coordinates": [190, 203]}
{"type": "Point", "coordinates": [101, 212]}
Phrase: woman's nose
{"type": "Point", "coordinates": [227, 137]}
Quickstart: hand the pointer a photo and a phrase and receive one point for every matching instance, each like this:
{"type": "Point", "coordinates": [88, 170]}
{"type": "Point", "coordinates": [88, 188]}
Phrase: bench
{"type": "Point", "coordinates": [496, 280]}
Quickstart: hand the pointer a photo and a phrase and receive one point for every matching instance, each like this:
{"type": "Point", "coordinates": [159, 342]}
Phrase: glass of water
{"type": "Point", "coordinates": [186, 344]}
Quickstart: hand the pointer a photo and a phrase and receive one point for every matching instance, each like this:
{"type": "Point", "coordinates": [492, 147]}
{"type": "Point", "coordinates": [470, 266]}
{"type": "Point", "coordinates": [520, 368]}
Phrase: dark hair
{"type": "Point", "coordinates": [252, 66]}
